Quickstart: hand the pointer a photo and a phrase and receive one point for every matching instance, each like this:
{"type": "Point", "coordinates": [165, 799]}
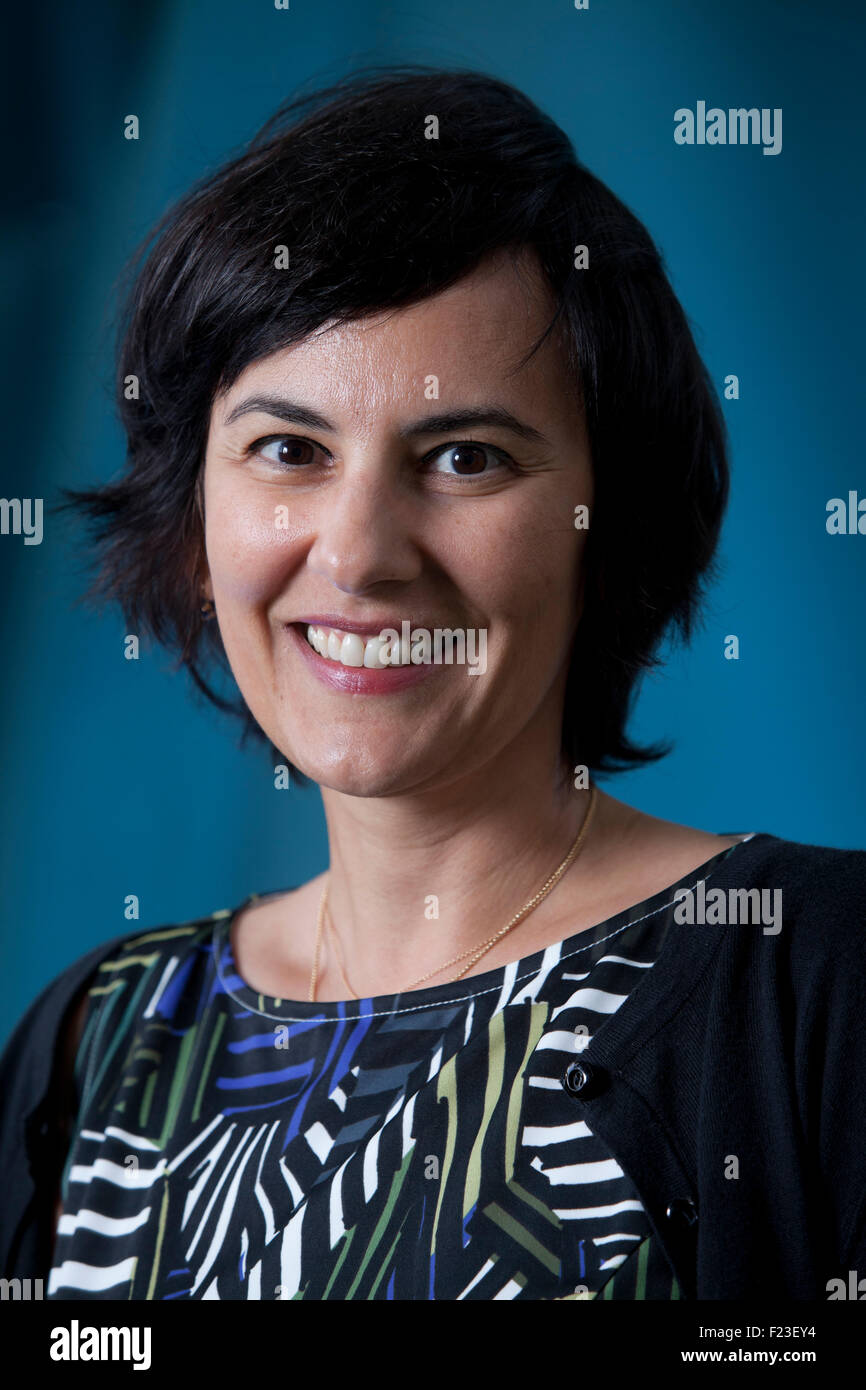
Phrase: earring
{"type": "Point", "coordinates": [207, 609]}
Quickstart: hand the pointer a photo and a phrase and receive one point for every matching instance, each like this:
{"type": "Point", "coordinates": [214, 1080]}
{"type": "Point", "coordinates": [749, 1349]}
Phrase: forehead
{"type": "Point", "coordinates": [470, 337]}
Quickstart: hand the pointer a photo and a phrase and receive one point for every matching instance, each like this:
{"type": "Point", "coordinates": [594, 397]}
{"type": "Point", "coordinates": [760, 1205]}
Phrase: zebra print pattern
{"type": "Point", "coordinates": [230, 1145]}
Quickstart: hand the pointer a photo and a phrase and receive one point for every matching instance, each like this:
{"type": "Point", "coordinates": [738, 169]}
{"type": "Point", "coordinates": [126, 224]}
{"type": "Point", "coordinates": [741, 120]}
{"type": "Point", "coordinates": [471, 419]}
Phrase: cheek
{"type": "Point", "coordinates": [526, 570]}
{"type": "Point", "coordinates": [248, 553]}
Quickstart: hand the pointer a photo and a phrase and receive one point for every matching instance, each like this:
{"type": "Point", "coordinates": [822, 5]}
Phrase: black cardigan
{"type": "Point", "coordinates": [744, 1053]}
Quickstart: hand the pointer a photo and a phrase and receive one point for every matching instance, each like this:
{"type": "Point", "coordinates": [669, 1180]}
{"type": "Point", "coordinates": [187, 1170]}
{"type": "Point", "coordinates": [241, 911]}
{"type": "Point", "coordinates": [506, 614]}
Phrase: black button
{"type": "Point", "coordinates": [583, 1080]}
{"type": "Point", "coordinates": [683, 1211]}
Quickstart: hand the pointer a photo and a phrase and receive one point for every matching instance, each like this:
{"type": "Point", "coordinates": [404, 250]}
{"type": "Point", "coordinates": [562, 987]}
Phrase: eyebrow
{"type": "Point", "coordinates": [462, 417]}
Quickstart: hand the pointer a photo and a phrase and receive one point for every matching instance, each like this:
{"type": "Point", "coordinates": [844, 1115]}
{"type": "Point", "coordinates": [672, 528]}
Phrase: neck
{"type": "Point", "coordinates": [416, 879]}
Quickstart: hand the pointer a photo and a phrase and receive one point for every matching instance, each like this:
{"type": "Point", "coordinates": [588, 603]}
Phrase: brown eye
{"type": "Point", "coordinates": [291, 452]}
{"type": "Point", "coordinates": [469, 460]}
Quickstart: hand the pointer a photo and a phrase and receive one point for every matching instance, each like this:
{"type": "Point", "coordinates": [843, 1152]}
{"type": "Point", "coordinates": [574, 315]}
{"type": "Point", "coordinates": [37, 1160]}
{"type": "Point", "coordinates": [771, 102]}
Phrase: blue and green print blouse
{"type": "Point", "coordinates": [230, 1145]}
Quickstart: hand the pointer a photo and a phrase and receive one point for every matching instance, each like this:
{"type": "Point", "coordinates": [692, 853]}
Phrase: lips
{"type": "Point", "coordinates": [360, 679]}
{"type": "Point", "coordinates": [366, 627]}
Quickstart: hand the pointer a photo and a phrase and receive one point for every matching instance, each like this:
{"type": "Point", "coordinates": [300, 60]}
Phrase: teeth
{"type": "Point", "coordinates": [372, 649]}
{"type": "Point", "coordinates": [351, 649]}
{"type": "Point", "coordinates": [348, 648]}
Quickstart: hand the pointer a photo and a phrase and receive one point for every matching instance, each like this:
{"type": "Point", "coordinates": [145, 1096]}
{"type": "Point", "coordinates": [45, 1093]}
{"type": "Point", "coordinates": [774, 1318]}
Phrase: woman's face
{"type": "Point", "coordinates": [338, 496]}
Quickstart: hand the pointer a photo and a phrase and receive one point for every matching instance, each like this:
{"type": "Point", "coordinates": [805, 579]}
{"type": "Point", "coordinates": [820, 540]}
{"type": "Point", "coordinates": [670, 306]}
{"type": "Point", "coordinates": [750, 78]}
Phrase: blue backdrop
{"type": "Point", "coordinates": [118, 781]}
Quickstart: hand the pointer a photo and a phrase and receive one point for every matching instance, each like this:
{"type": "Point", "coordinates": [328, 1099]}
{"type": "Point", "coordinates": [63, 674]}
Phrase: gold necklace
{"type": "Point", "coordinates": [475, 952]}
{"type": "Point", "coordinates": [338, 954]}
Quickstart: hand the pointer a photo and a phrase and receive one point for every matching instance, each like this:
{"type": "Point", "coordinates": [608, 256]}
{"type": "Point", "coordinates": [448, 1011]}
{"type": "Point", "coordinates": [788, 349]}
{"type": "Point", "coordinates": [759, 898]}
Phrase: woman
{"type": "Point", "coordinates": [421, 446]}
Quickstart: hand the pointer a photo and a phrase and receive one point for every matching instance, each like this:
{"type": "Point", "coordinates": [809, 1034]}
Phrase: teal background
{"type": "Point", "coordinates": [116, 778]}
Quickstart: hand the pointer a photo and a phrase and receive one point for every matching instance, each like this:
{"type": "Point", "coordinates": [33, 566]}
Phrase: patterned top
{"type": "Point", "coordinates": [414, 1146]}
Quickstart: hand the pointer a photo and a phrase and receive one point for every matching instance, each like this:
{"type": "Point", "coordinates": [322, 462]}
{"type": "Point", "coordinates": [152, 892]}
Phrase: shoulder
{"type": "Point", "coordinates": [798, 858]}
{"type": "Point", "coordinates": [55, 1020]}
{"type": "Point", "coordinates": [150, 956]}
{"type": "Point", "coordinates": [815, 876]}
{"type": "Point", "coordinates": [42, 1063]}
{"type": "Point", "coordinates": [817, 893]}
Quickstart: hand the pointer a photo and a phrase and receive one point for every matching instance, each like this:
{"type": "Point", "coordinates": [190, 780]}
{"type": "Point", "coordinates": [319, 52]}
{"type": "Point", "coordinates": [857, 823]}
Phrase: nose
{"type": "Point", "coordinates": [364, 533]}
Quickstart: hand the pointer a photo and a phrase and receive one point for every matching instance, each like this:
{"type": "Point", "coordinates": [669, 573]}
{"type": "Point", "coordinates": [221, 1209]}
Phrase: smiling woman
{"type": "Point", "coordinates": [481, 1056]}
{"type": "Point", "coordinates": [439, 521]}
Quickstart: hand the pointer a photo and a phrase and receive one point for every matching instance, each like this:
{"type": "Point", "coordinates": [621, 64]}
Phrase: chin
{"type": "Point", "coordinates": [368, 770]}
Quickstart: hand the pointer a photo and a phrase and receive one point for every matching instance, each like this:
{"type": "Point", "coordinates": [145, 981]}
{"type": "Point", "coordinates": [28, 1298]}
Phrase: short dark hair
{"type": "Point", "coordinates": [378, 216]}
